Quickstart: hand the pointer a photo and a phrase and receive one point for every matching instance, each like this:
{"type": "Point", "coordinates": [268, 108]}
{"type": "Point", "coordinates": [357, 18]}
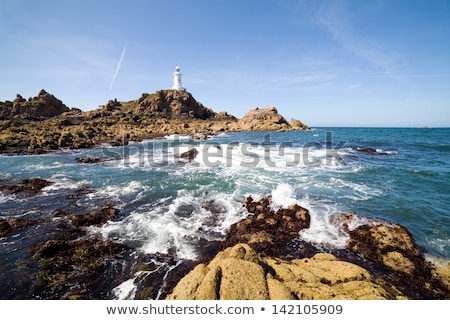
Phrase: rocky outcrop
{"type": "Point", "coordinates": [239, 273]}
{"type": "Point", "coordinates": [393, 248]}
{"type": "Point", "coordinates": [266, 229]}
{"type": "Point", "coordinates": [268, 119]}
{"type": "Point", "coordinates": [170, 104]}
{"type": "Point", "coordinates": [44, 105]}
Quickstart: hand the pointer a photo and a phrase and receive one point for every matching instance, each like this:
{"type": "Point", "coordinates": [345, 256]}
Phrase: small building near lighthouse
{"type": "Point", "coordinates": [177, 80]}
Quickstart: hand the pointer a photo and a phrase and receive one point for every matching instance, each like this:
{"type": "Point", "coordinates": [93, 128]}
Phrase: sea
{"type": "Point", "coordinates": [172, 204]}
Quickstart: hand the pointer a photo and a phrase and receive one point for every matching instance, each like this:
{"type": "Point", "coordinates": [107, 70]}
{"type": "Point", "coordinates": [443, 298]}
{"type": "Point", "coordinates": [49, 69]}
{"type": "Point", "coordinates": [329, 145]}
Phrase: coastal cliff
{"type": "Point", "coordinates": [43, 123]}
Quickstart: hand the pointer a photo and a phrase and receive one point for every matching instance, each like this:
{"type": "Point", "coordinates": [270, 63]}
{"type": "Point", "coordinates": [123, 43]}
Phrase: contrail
{"type": "Point", "coordinates": [118, 66]}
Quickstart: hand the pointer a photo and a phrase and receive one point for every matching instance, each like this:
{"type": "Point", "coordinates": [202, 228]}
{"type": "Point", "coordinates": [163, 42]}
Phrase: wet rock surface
{"type": "Point", "coordinates": [190, 154]}
{"type": "Point", "coordinates": [266, 230]}
{"type": "Point", "coordinates": [392, 248]}
{"type": "Point", "coordinates": [89, 160]}
{"type": "Point", "coordinates": [13, 225]}
{"type": "Point", "coordinates": [27, 186]}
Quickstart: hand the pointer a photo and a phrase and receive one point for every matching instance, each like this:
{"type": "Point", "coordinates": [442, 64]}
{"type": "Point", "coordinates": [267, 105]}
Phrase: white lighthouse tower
{"type": "Point", "coordinates": [177, 80]}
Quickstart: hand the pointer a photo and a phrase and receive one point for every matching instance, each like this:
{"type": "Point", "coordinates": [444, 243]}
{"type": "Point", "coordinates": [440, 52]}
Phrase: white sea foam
{"type": "Point", "coordinates": [283, 196]}
{"type": "Point", "coordinates": [177, 137]}
{"type": "Point", "coordinates": [46, 166]}
{"type": "Point", "coordinates": [358, 192]}
{"type": "Point", "coordinates": [177, 225]}
{"type": "Point", "coordinates": [321, 230]}
{"type": "Point", "coordinates": [60, 182]}
{"type": "Point", "coordinates": [115, 192]}
{"type": "Point", "coordinates": [126, 290]}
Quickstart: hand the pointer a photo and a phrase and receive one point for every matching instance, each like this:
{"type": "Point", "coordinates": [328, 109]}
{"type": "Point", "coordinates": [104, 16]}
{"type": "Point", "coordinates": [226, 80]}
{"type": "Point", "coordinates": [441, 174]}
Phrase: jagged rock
{"type": "Point", "coordinates": [382, 262]}
{"type": "Point", "coordinates": [224, 115]}
{"type": "Point", "coordinates": [266, 230]}
{"type": "Point", "coordinates": [169, 103]}
{"type": "Point", "coordinates": [238, 273]}
{"type": "Point", "coordinates": [44, 105]}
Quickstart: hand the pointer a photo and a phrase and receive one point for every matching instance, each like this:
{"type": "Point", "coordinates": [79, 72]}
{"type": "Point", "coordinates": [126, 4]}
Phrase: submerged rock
{"type": "Point", "coordinates": [27, 186]}
{"type": "Point", "coordinates": [75, 269]}
{"type": "Point", "coordinates": [190, 154]}
{"type": "Point", "coordinates": [90, 160]}
{"type": "Point", "coordinates": [371, 150]}
{"type": "Point", "coordinates": [12, 225]}
{"type": "Point", "coordinates": [94, 218]}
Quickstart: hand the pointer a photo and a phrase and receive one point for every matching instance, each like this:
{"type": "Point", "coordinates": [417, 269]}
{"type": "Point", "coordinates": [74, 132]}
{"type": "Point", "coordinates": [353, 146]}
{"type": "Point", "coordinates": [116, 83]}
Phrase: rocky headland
{"type": "Point", "coordinates": [43, 123]}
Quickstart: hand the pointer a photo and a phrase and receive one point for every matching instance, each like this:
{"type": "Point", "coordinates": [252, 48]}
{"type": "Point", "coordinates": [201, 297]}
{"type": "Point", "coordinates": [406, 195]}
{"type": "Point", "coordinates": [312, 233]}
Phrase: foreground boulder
{"type": "Point", "coordinates": [239, 273]}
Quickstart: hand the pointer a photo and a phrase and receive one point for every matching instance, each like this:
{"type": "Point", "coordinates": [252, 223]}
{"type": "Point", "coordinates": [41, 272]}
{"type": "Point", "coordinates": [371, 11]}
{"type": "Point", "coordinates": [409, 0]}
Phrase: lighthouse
{"type": "Point", "coordinates": [177, 80]}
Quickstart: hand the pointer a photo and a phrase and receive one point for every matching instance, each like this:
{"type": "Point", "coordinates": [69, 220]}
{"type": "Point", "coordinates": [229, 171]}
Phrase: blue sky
{"type": "Point", "coordinates": [327, 63]}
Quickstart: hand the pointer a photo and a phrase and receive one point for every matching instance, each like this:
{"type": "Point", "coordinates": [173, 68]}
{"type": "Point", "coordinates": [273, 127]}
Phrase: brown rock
{"type": "Point", "coordinates": [393, 247]}
{"type": "Point", "coordinates": [94, 218]}
{"type": "Point", "coordinates": [298, 125]}
{"type": "Point", "coordinates": [190, 154]}
{"type": "Point", "coordinates": [11, 225]}
{"type": "Point", "coordinates": [27, 186]}
{"type": "Point", "coordinates": [44, 105]}
{"type": "Point", "coordinates": [263, 119]}
{"type": "Point", "coordinates": [265, 230]}
{"type": "Point", "coordinates": [238, 273]}
{"type": "Point", "coordinates": [169, 103]}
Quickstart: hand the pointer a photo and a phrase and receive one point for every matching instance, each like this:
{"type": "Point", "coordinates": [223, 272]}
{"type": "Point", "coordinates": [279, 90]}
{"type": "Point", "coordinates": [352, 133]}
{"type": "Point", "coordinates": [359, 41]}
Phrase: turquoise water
{"type": "Point", "coordinates": [167, 203]}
